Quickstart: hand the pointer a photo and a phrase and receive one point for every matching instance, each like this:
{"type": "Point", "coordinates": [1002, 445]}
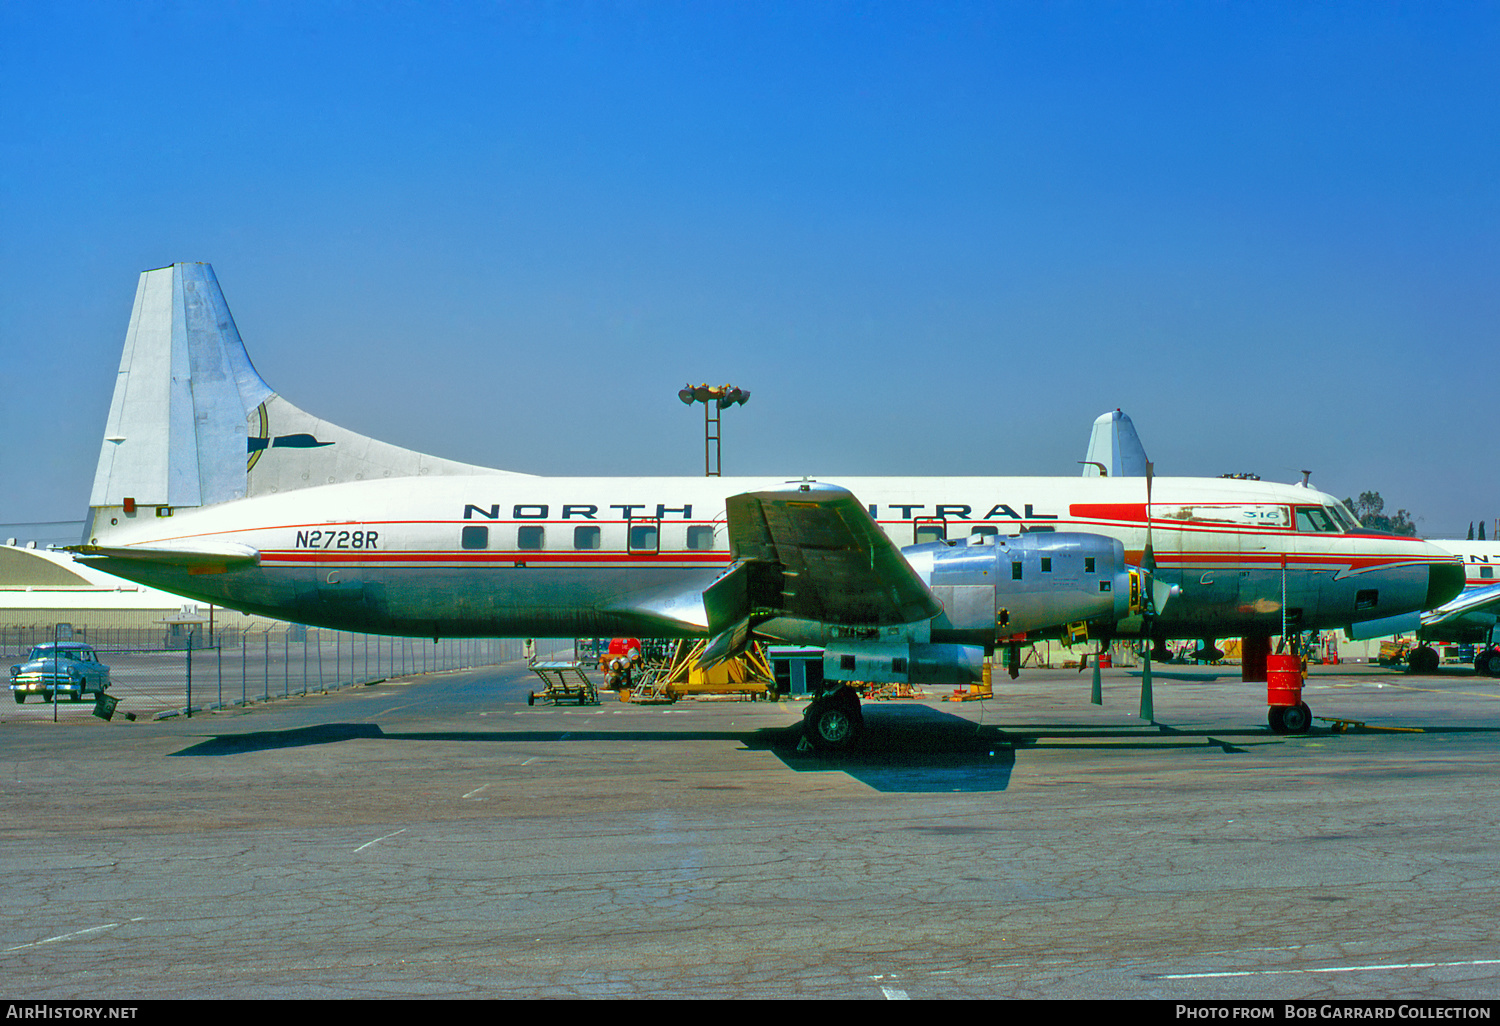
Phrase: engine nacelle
{"type": "Point", "coordinates": [991, 589]}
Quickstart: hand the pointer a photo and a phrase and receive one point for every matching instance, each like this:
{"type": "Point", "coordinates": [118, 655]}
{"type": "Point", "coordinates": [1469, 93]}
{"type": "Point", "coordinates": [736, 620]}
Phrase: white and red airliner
{"type": "Point", "coordinates": [212, 486]}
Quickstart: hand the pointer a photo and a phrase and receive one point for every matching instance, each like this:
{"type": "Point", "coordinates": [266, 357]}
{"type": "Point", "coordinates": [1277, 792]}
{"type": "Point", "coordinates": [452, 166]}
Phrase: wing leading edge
{"type": "Point", "coordinates": [809, 552]}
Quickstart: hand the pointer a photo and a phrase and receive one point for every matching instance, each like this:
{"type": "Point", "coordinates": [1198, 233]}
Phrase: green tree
{"type": "Point", "coordinates": [1370, 508]}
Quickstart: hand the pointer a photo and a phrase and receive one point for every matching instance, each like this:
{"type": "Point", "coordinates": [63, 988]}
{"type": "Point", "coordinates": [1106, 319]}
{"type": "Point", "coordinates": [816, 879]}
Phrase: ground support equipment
{"type": "Point", "coordinates": [885, 692]}
{"type": "Point", "coordinates": [1287, 714]}
{"type": "Point", "coordinates": [1340, 725]}
{"type": "Point", "coordinates": [564, 684]}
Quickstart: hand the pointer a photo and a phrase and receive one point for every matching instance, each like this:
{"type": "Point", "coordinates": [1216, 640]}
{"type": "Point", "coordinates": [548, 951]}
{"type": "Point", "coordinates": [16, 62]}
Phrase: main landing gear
{"type": "Point", "coordinates": [833, 721]}
{"type": "Point", "coordinates": [1422, 659]}
{"type": "Point", "coordinates": [1487, 662]}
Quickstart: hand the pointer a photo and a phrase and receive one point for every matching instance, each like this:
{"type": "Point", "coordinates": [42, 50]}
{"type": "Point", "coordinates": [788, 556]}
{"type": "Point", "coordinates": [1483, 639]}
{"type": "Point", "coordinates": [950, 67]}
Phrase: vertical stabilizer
{"type": "Point", "coordinates": [182, 396]}
{"type": "Point", "coordinates": [1115, 445]}
{"type": "Point", "coordinates": [192, 423]}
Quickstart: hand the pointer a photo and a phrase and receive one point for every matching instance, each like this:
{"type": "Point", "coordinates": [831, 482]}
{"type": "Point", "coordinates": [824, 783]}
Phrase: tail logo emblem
{"type": "Point", "coordinates": [258, 443]}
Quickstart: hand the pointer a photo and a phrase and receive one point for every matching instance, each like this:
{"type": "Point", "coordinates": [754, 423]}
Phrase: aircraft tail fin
{"type": "Point", "coordinates": [1114, 448]}
{"type": "Point", "coordinates": [192, 423]}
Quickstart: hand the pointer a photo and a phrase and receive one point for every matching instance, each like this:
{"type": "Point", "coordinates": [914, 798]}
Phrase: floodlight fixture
{"type": "Point", "coordinates": [714, 399]}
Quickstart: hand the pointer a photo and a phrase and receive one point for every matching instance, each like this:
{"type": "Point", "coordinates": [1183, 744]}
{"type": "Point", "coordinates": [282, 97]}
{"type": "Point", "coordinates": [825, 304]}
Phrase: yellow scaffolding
{"type": "Point", "coordinates": [746, 675]}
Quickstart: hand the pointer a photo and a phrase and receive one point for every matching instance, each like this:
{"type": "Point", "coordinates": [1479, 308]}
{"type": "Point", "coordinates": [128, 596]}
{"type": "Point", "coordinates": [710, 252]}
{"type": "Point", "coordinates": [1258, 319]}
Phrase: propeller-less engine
{"type": "Point", "coordinates": [991, 589]}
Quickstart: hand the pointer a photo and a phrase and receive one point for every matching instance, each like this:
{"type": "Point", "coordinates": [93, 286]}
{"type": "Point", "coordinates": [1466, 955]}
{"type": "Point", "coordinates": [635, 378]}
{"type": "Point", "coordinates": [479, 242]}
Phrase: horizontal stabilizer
{"type": "Point", "coordinates": [218, 554]}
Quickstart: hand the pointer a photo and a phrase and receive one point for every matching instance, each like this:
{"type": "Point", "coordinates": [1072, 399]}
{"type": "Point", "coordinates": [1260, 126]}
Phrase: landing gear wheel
{"type": "Point", "coordinates": [1290, 719]}
{"type": "Point", "coordinates": [20, 698]}
{"type": "Point", "coordinates": [1422, 660]}
{"type": "Point", "coordinates": [833, 721]}
{"type": "Point", "coordinates": [531, 698]}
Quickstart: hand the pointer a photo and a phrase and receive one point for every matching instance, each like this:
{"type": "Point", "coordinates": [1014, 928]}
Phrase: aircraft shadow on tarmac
{"type": "Point", "coordinates": [911, 750]}
{"type": "Point", "coordinates": [904, 748]}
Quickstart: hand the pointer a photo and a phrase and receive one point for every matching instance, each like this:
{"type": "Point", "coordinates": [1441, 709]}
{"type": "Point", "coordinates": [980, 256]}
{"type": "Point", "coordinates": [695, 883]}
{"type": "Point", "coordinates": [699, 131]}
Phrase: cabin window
{"type": "Point", "coordinates": [985, 531]}
{"type": "Point", "coordinates": [1015, 571]}
{"type": "Point", "coordinates": [529, 537]}
{"type": "Point", "coordinates": [700, 537]}
{"type": "Point", "coordinates": [1104, 586]}
{"type": "Point", "coordinates": [1088, 564]}
{"type": "Point", "coordinates": [475, 538]}
{"type": "Point", "coordinates": [1046, 564]}
{"type": "Point", "coordinates": [643, 537]}
{"type": "Point", "coordinates": [585, 537]}
{"type": "Point", "coordinates": [1487, 572]}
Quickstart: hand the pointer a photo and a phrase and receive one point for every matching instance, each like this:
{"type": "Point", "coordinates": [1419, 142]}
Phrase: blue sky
{"type": "Point", "coordinates": [930, 238]}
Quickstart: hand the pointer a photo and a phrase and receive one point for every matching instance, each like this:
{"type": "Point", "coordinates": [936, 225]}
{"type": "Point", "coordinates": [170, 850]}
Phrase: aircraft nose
{"type": "Point", "coordinates": [1444, 582]}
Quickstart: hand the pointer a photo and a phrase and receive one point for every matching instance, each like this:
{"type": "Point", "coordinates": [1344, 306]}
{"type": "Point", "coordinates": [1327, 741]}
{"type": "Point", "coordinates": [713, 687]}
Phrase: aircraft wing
{"type": "Point", "coordinates": [1470, 602]}
{"type": "Point", "coordinates": [809, 552]}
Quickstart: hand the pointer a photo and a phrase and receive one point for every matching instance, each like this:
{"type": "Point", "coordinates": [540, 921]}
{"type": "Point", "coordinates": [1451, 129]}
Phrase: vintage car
{"type": "Point", "coordinates": [65, 669]}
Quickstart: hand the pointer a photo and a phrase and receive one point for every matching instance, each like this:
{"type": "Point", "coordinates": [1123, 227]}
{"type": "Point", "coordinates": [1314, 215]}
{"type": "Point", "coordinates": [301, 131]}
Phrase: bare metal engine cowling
{"type": "Point", "coordinates": [992, 588]}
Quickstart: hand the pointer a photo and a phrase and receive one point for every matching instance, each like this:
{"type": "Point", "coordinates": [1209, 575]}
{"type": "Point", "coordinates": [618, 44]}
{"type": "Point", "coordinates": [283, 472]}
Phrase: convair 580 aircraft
{"type": "Point", "coordinates": [212, 486]}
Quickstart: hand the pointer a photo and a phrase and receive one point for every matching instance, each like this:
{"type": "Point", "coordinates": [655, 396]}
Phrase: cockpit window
{"type": "Point", "coordinates": [1344, 519]}
{"type": "Point", "coordinates": [1315, 518]}
{"type": "Point", "coordinates": [1348, 519]}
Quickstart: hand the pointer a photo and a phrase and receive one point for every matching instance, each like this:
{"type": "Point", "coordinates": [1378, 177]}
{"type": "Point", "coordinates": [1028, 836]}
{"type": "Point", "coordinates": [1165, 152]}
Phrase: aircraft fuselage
{"type": "Point", "coordinates": [503, 556]}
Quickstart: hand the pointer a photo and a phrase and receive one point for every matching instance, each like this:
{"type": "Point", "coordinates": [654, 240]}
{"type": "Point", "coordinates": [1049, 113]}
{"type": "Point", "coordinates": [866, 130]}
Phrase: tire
{"type": "Point", "coordinates": [831, 728]}
{"type": "Point", "coordinates": [833, 722]}
{"type": "Point", "coordinates": [1422, 660]}
{"type": "Point", "coordinates": [20, 697]}
{"type": "Point", "coordinates": [1290, 719]}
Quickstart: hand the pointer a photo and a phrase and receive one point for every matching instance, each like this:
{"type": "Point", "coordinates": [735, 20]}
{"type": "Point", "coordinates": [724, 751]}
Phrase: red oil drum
{"type": "Point", "coordinates": [1283, 680]}
{"type": "Point", "coordinates": [1106, 661]}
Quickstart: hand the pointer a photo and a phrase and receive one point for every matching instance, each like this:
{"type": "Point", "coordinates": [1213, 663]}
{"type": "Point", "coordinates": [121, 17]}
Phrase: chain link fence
{"type": "Point", "coordinates": [157, 671]}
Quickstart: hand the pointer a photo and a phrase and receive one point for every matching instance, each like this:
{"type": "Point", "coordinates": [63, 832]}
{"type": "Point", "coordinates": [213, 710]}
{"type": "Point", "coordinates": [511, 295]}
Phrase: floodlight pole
{"type": "Point", "coordinates": [711, 440]}
{"type": "Point", "coordinates": [714, 400]}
